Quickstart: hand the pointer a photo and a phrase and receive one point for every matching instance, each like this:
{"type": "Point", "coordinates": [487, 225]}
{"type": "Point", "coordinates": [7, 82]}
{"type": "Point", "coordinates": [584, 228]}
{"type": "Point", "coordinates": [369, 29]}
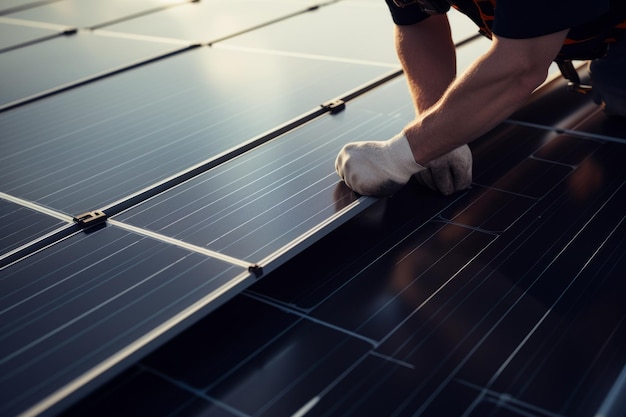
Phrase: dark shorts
{"type": "Point", "coordinates": [608, 79]}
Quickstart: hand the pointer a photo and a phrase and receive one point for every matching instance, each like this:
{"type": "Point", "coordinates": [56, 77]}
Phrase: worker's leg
{"type": "Point", "coordinates": [608, 78]}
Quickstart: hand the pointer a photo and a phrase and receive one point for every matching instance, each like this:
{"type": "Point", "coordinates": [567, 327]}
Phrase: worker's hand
{"type": "Point", "coordinates": [449, 173]}
{"type": "Point", "coordinates": [377, 168]}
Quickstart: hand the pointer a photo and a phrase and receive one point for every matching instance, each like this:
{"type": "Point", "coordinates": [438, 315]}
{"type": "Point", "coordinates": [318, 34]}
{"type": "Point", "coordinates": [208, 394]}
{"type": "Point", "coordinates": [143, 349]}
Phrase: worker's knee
{"type": "Point", "coordinates": [609, 80]}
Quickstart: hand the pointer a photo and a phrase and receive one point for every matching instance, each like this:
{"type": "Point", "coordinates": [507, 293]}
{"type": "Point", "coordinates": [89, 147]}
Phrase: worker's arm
{"type": "Point", "coordinates": [427, 54]}
{"type": "Point", "coordinates": [489, 91]}
{"type": "Point", "coordinates": [496, 85]}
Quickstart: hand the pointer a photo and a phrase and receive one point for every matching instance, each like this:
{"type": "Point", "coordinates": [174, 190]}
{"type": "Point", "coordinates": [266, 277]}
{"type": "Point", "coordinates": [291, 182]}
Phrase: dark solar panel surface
{"type": "Point", "coordinates": [501, 300]}
{"type": "Point", "coordinates": [276, 193]}
{"type": "Point", "coordinates": [73, 312]}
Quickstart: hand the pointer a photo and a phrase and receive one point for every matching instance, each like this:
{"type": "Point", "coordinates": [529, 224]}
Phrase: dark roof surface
{"type": "Point", "coordinates": [228, 272]}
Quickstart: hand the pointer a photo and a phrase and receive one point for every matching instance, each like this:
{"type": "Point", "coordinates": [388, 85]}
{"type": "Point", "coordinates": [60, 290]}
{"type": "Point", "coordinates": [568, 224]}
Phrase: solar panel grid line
{"type": "Point", "coordinates": [36, 207]}
{"type": "Point", "coordinates": [91, 79]}
{"type": "Point", "coordinates": [157, 236]}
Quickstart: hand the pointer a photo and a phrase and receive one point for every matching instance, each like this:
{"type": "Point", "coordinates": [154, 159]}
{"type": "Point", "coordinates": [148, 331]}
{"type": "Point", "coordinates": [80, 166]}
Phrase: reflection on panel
{"type": "Point", "coordinates": [92, 146]}
{"type": "Point", "coordinates": [254, 205]}
{"type": "Point", "coordinates": [83, 306]}
{"type": "Point", "coordinates": [345, 21]}
{"type": "Point", "coordinates": [210, 20]}
{"type": "Point", "coordinates": [19, 225]}
{"type": "Point", "coordinates": [600, 126]}
{"type": "Point", "coordinates": [87, 14]}
{"type": "Point", "coordinates": [49, 65]}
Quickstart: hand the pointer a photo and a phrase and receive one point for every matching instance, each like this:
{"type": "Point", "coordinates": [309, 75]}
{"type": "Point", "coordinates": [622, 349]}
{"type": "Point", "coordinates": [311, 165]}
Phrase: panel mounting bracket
{"type": "Point", "coordinates": [256, 269]}
{"type": "Point", "coordinates": [90, 218]}
{"type": "Point", "coordinates": [334, 106]}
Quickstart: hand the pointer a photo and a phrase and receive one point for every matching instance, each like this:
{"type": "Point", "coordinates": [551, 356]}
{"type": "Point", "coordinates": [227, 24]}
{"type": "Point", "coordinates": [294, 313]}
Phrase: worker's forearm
{"type": "Point", "coordinates": [477, 102]}
{"type": "Point", "coordinates": [484, 95]}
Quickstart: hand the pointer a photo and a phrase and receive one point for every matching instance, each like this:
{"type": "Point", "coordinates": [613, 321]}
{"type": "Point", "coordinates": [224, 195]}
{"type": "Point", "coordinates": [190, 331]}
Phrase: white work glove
{"type": "Point", "coordinates": [449, 173]}
{"type": "Point", "coordinates": [377, 168]}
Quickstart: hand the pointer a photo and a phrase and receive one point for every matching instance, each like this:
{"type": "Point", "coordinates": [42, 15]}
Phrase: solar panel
{"type": "Point", "coordinates": [78, 311]}
{"type": "Point", "coordinates": [215, 165]}
{"type": "Point", "coordinates": [92, 146]}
